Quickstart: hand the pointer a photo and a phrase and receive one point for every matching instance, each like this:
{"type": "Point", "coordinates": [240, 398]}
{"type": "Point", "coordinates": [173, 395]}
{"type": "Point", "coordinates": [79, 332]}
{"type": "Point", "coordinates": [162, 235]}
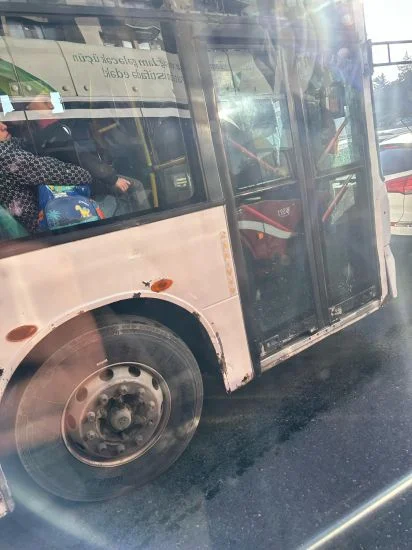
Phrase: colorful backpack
{"type": "Point", "coordinates": [64, 205]}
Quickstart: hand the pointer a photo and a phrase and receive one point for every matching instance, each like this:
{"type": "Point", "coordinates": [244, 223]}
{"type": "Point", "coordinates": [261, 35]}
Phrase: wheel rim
{"type": "Point", "coordinates": [116, 414]}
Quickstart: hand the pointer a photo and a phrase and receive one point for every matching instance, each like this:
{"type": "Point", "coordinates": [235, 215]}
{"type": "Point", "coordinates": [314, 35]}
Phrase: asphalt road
{"type": "Point", "coordinates": [316, 453]}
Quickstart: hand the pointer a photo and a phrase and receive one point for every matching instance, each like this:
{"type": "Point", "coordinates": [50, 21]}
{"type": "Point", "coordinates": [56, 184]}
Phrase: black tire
{"type": "Point", "coordinates": [38, 430]}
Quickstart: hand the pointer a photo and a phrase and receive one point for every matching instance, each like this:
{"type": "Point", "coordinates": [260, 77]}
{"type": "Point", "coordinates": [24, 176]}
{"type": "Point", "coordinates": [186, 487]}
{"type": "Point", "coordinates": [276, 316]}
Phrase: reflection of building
{"type": "Point", "coordinates": [84, 30]}
{"type": "Point", "coordinates": [101, 3]}
{"type": "Point", "coordinates": [234, 7]}
{"type": "Point", "coordinates": [41, 28]}
{"type": "Point", "coordinates": [133, 34]}
{"type": "Point", "coordinates": [98, 3]}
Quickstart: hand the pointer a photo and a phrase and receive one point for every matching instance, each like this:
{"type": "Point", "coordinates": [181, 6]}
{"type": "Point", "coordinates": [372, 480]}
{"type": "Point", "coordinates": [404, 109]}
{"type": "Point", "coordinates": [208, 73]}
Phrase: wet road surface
{"type": "Point", "coordinates": [317, 453]}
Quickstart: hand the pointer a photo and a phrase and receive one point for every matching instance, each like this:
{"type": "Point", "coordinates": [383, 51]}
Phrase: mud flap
{"type": "Point", "coordinates": [6, 500]}
{"type": "Point", "coordinates": [391, 272]}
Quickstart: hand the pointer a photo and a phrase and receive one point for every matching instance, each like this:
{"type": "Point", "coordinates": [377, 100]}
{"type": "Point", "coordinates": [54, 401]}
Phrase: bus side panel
{"type": "Point", "coordinates": [381, 206]}
{"type": "Point", "coordinates": [223, 317]}
{"type": "Point", "coordinates": [380, 195]}
{"type": "Point", "coordinates": [51, 285]}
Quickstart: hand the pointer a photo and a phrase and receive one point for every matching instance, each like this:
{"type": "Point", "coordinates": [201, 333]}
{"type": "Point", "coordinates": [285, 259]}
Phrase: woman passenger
{"type": "Point", "coordinates": [20, 174]}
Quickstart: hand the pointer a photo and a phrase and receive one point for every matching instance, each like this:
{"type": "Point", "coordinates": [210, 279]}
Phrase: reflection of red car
{"type": "Point", "coordinates": [266, 227]}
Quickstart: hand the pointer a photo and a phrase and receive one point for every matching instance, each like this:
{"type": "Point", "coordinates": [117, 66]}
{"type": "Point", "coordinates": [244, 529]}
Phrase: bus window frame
{"type": "Point", "coordinates": [210, 185]}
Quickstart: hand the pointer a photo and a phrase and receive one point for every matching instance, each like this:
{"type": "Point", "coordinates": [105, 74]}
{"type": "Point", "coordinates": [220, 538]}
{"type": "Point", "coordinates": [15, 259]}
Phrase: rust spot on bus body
{"type": "Point", "coordinates": [21, 333]}
{"type": "Point", "coordinates": [246, 379]}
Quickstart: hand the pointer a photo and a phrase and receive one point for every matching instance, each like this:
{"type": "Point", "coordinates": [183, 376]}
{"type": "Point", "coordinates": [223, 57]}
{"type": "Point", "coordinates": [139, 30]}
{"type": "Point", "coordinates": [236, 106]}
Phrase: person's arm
{"type": "Point", "coordinates": [25, 168]}
{"type": "Point", "coordinates": [105, 178]}
{"type": "Point", "coordinates": [103, 174]}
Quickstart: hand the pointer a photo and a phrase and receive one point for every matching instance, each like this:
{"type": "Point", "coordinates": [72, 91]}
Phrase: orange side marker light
{"type": "Point", "coordinates": [161, 285]}
{"type": "Point", "coordinates": [21, 333]}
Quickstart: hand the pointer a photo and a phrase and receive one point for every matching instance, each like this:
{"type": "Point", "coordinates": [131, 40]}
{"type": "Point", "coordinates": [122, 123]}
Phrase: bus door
{"type": "Point", "coordinates": [329, 75]}
{"type": "Point", "coordinates": [295, 159]}
{"type": "Point", "coordinates": [251, 106]}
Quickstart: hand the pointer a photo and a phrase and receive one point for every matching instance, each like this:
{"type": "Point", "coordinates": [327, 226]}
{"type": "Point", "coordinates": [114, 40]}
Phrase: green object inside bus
{"type": "Point", "coordinates": [9, 227]}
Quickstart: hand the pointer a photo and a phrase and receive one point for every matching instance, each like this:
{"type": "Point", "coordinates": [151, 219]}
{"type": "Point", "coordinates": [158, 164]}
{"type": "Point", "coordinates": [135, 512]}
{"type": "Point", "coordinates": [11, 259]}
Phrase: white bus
{"type": "Point", "coordinates": [228, 213]}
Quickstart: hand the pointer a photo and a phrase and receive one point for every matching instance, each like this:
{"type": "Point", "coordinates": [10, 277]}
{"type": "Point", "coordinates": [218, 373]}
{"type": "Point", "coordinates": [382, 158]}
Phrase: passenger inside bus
{"type": "Point", "coordinates": [137, 165]}
{"type": "Point", "coordinates": [76, 141]}
{"type": "Point", "coordinates": [22, 172]}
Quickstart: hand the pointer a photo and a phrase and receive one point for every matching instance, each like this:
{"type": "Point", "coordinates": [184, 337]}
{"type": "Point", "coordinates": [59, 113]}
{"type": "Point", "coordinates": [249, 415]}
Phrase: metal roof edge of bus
{"type": "Point", "coordinates": [228, 7]}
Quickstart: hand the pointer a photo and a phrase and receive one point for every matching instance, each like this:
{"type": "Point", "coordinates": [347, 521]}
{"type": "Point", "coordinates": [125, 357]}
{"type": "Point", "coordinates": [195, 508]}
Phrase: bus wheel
{"type": "Point", "coordinates": [111, 409]}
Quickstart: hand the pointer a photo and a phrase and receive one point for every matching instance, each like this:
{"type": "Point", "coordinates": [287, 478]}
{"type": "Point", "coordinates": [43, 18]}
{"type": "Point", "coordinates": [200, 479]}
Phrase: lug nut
{"type": "Point", "coordinates": [91, 416]}
{"type": "Point", "coordinates": [140, 420]}
{"type": "Point", "coordinates": [123, 389]}
{"type": "Point", "coordinates": [91, 435]}
{"type": "Point", "coordinates": [102, 447]}
{"type": "Point", "coordinates": [152, 404]}
{"type": "Point", "coordinates": [103, 399]}
{"type": "Point", "coordinates": [120, 448]}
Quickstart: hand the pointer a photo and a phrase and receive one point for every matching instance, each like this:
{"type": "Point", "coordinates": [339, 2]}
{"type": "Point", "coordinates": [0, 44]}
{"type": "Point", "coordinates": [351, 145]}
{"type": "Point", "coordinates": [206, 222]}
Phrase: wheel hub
{"type": "Point", "coordinates": [120, 419]}
{"type": "Point", "coordinates": [116, 414]}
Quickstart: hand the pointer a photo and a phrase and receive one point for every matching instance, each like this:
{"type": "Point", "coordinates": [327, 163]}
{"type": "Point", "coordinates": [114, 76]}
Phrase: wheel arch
{"type": "Point", "coordinates": [182, 319]}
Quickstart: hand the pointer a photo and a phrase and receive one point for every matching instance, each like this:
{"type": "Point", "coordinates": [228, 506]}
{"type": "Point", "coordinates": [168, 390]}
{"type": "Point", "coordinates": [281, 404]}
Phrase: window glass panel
{"type": "Point", "coordinates": [253, 115]}
{"type": "Point", "coordinates": [273, 238]}
{"type": "Point", "coordinates": [100, 126]}
{"type": "Point", "coordinates": [330, 71]}
{"type": "Point", "coordinates": [333, 20]}
{"type": "Point", "coordinates": [333, 107]}
{"type": "Point", "coordinates": [396, 160]}
{"type": "Point", "coordinates": [348, 253]}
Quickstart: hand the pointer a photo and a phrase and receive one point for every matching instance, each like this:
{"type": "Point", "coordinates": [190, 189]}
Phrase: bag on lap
{"type": "Point", "coordinates": [64, 205]}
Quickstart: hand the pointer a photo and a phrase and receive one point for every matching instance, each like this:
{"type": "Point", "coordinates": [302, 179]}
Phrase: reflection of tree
{"type": "Point", "coordinates": [380, 82]}
{"type": "Point", "coordinates": [393, 100]}
{"type": "Point", "coordinates": [405, 71]}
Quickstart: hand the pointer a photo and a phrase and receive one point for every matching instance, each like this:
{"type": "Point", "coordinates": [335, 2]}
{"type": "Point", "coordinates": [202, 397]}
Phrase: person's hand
{"type": "Point", "coordinates": [122, 185]}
